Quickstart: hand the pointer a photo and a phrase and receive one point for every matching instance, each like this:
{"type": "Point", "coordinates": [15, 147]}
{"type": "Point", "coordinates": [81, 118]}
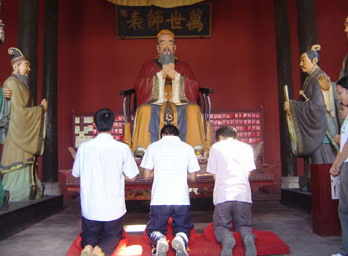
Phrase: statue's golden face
{"type": "Point", "coordinates": [306, 64]}
{"type": "Point", "coordinates": [166, 44]}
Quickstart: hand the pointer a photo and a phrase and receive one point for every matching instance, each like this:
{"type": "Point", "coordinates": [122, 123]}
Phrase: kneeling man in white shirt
{"type": "Point", "coordinates": [102, 164]}
{"type": "Point", "coordinates": [231, 162]}
{"type": "Point", "coordinates": [170, 161]}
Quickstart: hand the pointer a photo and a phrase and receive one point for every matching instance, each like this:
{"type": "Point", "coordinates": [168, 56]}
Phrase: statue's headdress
{"type": "Point", "coordinates": [16, 55]}
{"type": "Point", "coordinates": [165, 31]}
{"type": "Point", "coordinates": [314, 52]}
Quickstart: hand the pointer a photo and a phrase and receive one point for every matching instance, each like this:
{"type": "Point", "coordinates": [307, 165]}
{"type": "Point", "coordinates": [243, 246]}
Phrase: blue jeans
{"type": "Point", "coordinates": [343, 208]}
{"type": "Point", "coordinates": [160, 214]}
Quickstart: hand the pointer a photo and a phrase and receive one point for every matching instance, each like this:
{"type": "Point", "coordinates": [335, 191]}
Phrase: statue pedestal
{"type": "Point", "coordinates": [324, 210]}
{"type": "Point", "coordinates": [52, 189]}
{"type": "Point", "coordinates": [292, 196]}
{"type": "Point", "coordinates": [290, 182]}
{"type": "Point", "coordinates": [20, 215]}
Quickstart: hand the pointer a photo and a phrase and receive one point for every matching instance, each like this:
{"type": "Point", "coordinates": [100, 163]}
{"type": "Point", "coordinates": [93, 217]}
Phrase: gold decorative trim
{"type": "Point", "coordinates": [159, 3]}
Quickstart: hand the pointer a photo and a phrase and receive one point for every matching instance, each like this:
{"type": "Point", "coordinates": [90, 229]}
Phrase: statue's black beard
{"type": "Point", "coordinates": [23, 79]}
{"type": "Point", "coordinates": [166, 58]}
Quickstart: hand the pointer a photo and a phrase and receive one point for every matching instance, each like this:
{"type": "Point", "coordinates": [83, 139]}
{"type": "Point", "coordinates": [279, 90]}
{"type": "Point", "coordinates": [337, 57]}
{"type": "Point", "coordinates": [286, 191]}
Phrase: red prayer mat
{"type": "Point", "coordinates": [267, 243]}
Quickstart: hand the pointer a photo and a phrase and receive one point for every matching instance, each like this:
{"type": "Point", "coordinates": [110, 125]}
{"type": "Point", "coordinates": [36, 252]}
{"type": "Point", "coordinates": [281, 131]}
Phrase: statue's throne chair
{"type": "Point", "coordinates": [130, 106]}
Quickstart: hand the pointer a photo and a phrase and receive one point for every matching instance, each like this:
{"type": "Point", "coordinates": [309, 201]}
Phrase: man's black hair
{"type": "Point", "coordinates": [343, 82]}
{"type": "Point", "coordinates": [169, 130]}
{"type": "Point", "coordinates": [104, 119]}
{"type": "Point", "coordinates": [225, 131]}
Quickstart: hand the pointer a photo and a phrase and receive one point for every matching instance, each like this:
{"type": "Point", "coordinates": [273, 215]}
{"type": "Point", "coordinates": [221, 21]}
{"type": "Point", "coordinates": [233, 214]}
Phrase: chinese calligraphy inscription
{"type": "Point", "coordinates": [146, 21]}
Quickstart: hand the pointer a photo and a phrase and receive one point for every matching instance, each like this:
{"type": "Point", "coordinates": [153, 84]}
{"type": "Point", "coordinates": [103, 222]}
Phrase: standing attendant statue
{"type": "Point", "coordinates": [314, 119]}
{"type": "Point", "coordinates": [313, 114]}
{"type": "Point", "coordinates": [25, 136]}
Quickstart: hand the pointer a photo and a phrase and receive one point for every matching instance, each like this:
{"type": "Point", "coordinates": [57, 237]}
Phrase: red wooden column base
{"type": "Point", "coordinates": [324, 209]}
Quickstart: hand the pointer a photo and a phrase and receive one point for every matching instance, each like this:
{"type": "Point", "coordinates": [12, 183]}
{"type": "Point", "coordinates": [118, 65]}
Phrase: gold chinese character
{"type": "Point", "coordinates": [175, 20]}
{"type": "Point", "coordinates": [123, 13]}
{"type": "Point", "coordinates": [154, 18]}
{"type": "Point", "coordinates": [136, 21]}
{"type": "Point", "coordinates": [195, 20]}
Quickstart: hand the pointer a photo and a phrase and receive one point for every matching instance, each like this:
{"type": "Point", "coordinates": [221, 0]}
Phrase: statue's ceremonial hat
{"type": "Point", "coordinates": [165, 31]}
{"type": "Point", "coordinates": [16, 55]}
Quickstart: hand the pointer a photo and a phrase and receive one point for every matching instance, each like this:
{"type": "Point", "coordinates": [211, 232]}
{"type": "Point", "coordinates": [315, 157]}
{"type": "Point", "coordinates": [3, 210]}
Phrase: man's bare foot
{"type": "Point", "coordinates": [86, 250]}
{"type": "Point", "coordinates": [97, 251]}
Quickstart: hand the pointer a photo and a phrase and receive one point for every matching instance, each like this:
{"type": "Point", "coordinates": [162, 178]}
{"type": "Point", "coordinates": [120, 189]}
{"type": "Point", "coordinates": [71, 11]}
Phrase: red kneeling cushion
{"type": "Point", "coordinates": [75, 248]}
{"type": "Point", "coordinates": [267, 243]}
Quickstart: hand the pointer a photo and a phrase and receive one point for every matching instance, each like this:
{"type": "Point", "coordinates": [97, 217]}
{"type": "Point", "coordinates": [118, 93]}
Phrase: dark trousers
{"type": "Point", "coordinates": [105, 234]}
{"type": "Point", "coordinates": [226, 213]}
{"type": "Point", "coordinates": [343, 208]}
{"type": "Point", "coordinates": [160, 214]}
